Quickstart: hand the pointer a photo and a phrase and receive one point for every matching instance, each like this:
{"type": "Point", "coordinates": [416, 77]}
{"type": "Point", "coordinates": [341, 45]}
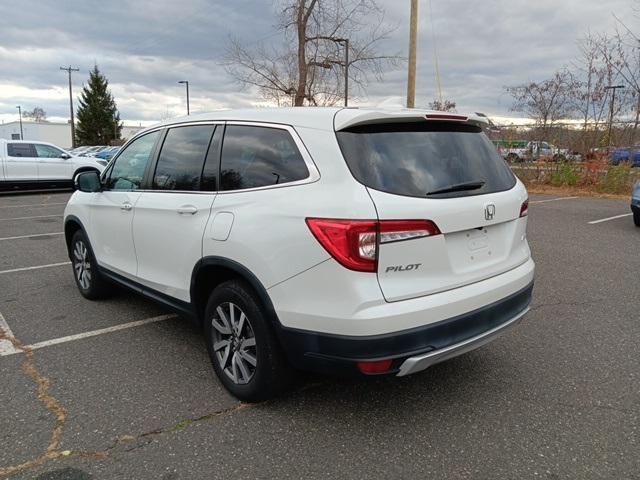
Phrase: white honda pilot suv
{"type": "Point", "coordinates": [353, 241]}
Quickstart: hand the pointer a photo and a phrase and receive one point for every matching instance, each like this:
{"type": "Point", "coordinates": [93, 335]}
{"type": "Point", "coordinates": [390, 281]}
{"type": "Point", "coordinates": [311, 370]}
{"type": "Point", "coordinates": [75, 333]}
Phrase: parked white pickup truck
{"type": "Point", "coordinates": [26, 164]}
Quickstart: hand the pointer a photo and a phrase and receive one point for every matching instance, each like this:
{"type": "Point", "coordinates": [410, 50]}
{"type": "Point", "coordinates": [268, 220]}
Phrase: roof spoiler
{"type": "Point", "coordinates": [348, 118]}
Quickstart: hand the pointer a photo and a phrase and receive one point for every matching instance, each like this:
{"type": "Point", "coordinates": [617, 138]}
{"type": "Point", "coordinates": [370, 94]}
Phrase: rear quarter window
{"type": "Point", "coordinates": [254, 157]}
{"type": "Point", "coordinates": [413, 159]}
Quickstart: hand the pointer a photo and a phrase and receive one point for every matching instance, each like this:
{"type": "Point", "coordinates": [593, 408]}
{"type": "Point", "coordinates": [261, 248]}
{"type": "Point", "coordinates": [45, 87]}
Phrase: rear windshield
{"type": "Point", "coordinates": [416, 159]}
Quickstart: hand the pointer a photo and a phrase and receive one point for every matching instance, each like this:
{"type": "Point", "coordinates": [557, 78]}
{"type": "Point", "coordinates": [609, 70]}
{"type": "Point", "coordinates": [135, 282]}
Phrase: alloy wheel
{"type": "Point", "coordinates": [234, 343]}
{"type": "Point", "coordinates": [81, 264]}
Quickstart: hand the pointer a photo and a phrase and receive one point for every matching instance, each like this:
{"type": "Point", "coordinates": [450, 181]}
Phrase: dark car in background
{"type": "Point", "coordinates": [626, 155]}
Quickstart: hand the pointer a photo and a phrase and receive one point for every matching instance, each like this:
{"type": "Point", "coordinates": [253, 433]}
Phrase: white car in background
{"type": "Point", "coordinates": [27, 164]}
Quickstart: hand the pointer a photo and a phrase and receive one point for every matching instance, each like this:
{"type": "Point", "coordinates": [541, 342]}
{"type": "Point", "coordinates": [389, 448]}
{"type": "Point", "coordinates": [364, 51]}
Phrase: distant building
{"type": "Point", "coordinates": [57, 133]}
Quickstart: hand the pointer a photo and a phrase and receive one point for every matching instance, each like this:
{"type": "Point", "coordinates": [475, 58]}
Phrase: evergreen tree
{"type": "Point", "coordinates": [98, 118]}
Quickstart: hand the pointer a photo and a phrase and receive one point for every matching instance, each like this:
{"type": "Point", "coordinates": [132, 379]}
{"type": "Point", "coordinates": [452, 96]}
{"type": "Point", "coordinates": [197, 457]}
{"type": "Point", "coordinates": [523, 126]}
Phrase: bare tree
{"type": "Point", "coordinates": [443, 105]}
{"type": "Point", "coordinates": [309, 67]}
{"type": "Point", "coordinates": [593, 71]}
{"type": "Point", "coordinates": [545, 102]}
{"type": "Point", "coordinates": [624, 58]}
{"type": "Point", "coordinates": [37, 114]}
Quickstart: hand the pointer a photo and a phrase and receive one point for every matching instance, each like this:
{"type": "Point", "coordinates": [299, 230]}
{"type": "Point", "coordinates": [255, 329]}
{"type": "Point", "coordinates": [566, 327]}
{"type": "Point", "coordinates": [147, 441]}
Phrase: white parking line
{"type": "Point", "coordinates": [31, 236]}
{"type": "Point", "coordinates": [6, 347]}
{"type": "Point", "coordinates": [610, 218]}
{"type": "Point", "coordinates": [33, 205]}
{"type": "Point", "coordinates": [28, 218]}
{"type": "Point", "coordinates": [552, 200]}
{"type": "Point", "coordinates": [92, 333]}
{"type": "Point", "coordinates": [37, 267]}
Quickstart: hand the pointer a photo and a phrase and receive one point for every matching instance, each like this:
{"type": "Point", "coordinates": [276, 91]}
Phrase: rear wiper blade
{"type": "Point", "coordinates": [458, 187]}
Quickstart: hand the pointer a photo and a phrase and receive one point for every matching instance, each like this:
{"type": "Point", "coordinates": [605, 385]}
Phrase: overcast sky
{"type": "Point", "coordinates": [145, 46]}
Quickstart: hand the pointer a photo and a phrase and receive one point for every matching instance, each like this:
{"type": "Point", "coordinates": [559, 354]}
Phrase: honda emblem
{"type": "Point", "coordinates": [489, 211]}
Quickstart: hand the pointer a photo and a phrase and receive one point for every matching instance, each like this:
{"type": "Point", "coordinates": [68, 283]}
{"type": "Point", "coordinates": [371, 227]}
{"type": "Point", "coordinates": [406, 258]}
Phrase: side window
{"type": "Point", "coordinates": [129, 167]}
{"type": "Point", "coordinates": [47, 151]}
{"type": "Point", "coordinates": [258, 157]}
{"type": "Point", "coordinates": [20, 150]}
{"type": "Point", "coordinates": [180, 162]}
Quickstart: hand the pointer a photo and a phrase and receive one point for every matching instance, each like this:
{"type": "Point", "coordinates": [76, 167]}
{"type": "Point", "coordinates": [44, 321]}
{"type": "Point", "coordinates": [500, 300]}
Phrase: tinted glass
{"type": "Point", "coordinates": [128, 170]}
{"type": "Point", "coordinates": [209, 181]}
{"type": "Point", "coordinates": [181, 159]}
{"type": "Point", "coordinates": [20, 150]}
{"type": "Point", "coordinates": [259, 156]}
{"type": "Point", "coordinates": [46, 151]}
{"type": "Point", "coordinates": [417, 158]}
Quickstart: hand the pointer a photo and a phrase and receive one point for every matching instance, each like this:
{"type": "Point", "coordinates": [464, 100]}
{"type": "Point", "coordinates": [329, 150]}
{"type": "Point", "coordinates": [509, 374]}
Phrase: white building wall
{"type": "Point", "coordinates": [57, 133]}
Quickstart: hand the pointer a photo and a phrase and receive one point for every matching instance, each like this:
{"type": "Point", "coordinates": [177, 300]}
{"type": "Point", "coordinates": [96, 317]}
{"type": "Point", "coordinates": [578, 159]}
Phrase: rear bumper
{"type": "Point", "coordinates": [411, 350]}
{"type": "Point", "coordinates": [421, 362]}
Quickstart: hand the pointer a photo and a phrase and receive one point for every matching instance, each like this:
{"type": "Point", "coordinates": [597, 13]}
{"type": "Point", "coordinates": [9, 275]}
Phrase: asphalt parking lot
{"type": "Point", "coordinates": [123, 389]}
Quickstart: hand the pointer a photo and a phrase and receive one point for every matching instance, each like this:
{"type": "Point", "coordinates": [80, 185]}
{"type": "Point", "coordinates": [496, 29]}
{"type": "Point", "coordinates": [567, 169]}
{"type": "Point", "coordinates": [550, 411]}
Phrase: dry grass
{"type": "Point", "coordinates": [594, 177]}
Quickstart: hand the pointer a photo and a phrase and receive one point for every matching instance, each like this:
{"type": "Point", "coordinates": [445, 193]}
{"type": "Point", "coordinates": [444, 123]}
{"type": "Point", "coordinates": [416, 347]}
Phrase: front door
{"type": "Point", "coordinates": [51, 165]}
{"type": "Point", "coordinates": [113, 209]}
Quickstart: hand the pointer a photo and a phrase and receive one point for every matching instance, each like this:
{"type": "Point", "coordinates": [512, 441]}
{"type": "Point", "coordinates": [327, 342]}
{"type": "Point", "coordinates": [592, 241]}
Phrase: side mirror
{"type": "Point", "coordinates": [65, 155]}
{"type": "Point", "coordinates": [88, 182]}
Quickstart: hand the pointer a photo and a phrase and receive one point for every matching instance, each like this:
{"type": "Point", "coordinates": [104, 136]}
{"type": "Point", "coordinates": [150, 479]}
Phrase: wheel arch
{"type": "Point", "coordinates": [211, 271]}
{"type": "Point", "coordinates": [71, 225]}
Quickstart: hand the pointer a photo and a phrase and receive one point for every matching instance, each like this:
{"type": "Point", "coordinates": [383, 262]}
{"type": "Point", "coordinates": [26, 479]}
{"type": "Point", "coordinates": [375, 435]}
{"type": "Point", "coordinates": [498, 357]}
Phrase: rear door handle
{"type": "Point", "coordinates": [126, 206]}
{"type": "Point", "coordinates": [187, 210]}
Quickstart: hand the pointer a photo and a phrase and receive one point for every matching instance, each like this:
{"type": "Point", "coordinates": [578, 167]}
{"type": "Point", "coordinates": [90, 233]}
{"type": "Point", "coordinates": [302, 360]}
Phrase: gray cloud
{"type": "Point", "coordinates": [145, 47]}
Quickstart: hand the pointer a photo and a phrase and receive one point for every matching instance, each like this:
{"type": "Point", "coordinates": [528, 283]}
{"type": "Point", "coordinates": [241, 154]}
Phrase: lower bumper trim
{"type": "Point", "coordinates": [421, 362]}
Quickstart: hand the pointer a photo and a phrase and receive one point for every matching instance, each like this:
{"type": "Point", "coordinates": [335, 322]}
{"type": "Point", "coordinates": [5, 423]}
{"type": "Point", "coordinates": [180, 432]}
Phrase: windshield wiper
{"type": "Point", "coordinates": [458, 187]}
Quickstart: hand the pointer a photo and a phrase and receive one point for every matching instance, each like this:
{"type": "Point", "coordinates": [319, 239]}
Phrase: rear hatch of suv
{"type": "Point", "coordinates": [450, 210]}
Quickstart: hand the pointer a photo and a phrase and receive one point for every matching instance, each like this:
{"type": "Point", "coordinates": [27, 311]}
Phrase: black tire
{"type": "Point", "coordinates": [513, 158]}
{"type": "Point", "coordinates": [271, 374]}
{"type": "Point", "coordinates": [85, 268]}
{"type": "Point", "coordinates": [636, 217]}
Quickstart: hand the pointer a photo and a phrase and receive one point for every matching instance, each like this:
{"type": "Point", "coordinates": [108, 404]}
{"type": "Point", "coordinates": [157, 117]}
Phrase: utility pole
{"type": "Point", "coordinates": [345, 42]}
{"type": "Point", "coordinates": [613, 89]}
{"type": "Point", "coordinates": [20, 116]}
{"type": "Point", "coordinates": [413, 40]}
{"type": "Point", "coordinates": [73, 127]}
{"type": "Point", "coordinates": [186, 82]}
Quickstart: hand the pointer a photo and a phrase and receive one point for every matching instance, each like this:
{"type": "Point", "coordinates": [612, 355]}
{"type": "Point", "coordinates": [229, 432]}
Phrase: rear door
{"type": "Point", "coordinates": [171, 215]}
{"type": "Point", "coordinates": [21, 163]}
{"type": "Point", "coordinates": [451, 176]}
{"type": "Point", "coordinates": [51, 165]}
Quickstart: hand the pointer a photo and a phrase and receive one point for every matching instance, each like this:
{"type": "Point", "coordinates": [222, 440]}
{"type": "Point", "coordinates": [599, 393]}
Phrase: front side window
{"type": "Point", "coordinates": [128, 171]}
{"type": "Point", "coordinates": [255, 157]}
{"type": "Point", "coordinates": [47, 151]}
{"type": "Point", "coordinates": [182, 156]}
{"type": "Point", "coordinates": [20, 150]}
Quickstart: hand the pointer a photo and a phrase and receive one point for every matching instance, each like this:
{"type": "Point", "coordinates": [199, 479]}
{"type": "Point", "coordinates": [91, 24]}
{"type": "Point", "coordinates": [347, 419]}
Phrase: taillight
{"type": "Point", "coordinates": [398, 230]}
{"type": "Point", "coordinates": [354, 243]}
{"type": "Point", "coordinates": [524, 208]}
